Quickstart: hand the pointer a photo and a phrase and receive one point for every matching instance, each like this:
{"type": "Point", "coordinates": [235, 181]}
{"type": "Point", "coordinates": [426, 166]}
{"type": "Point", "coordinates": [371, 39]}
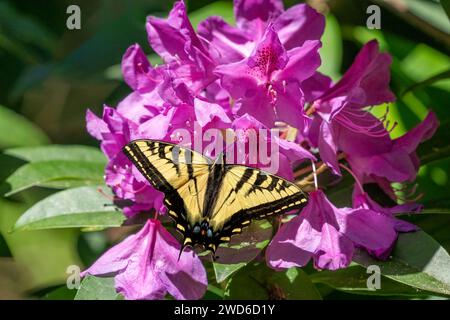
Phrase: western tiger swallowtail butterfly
{"type": "Point", "coordinates": [210, 200]}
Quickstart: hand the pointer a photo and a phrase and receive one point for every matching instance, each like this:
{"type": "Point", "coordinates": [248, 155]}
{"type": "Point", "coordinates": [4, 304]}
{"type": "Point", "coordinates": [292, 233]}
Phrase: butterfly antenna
{"type": "Point", "coordinates": [181, 251]}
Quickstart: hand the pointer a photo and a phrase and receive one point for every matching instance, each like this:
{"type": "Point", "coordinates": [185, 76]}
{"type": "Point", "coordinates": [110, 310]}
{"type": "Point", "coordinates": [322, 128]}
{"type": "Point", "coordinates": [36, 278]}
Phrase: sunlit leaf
{"type": "Point", "coordinates": [354, 279]}
{"type": "Point", "coordinates": [242, 249]}
{"type": "Point", "coordinates": [43, 255]}
{"type": "Point", "coordinates": [262, 283]}
{"type": "Point", "coordinates": [97, 288]}
{"type": "Point", "coordinates": [15, 130]}
{"type": "Point", "coordinates": [331, 51]}
{"type": "Point", "coordinates": [72, 208]}
{"type": "Point", "coordinates": [57, 152]}
{"type": "Point", "coordinates": [417, 260]}
{"type": "Point", "coordinates": [54, 174]}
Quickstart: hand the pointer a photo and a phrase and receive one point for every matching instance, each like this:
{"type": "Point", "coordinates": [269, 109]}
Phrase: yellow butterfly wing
{"type": "Point", "coordinates": [248, 193]}
{"type": "Point", "coordinates": [178, 172]}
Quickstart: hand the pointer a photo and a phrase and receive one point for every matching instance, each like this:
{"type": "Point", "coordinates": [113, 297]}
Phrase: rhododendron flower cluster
{"type": "Point", "coordinates": [260, 73]}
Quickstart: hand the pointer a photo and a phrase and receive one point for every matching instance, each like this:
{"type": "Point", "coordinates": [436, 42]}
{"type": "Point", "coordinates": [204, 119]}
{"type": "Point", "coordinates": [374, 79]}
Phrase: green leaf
{"type": "Point", "coordinates": [217, 8]}
{"type": "Point", "coordinates": [97, 288]}
{"type": "Point", "coordinates": [52, 166]}
{"type": "Point", "coordinates": [295, 284]}
{"type": "Point", "coordinates": [331, 51]}
{"type": "Point", "coordinates": [436, 62]}
{"type": "Point", "coordinates": [417, 260]}
{"type": "Point", "coordinates": [61, 293]}
{"type": "Point", "coordinates": [251, 279]}
{"type": "Point", "coordinates": [213, 293]}
{"type": "Point", "coordinates": [57, 152]}
{"type": "Point", "coordinates": [262, 283]}
{"type": "Point", "coordinates": [16, 130]}
{"type": "Point", "coordinates": [429, 81]}
{"type": "Point", "coordinates": [437, 147]}
{"type": "Point", "coordinates": [242, 249]}
{"type": "Point", "coordinates": [428, 210]}
{"type": "Point", "coordinates": [53, 174]}
{"type": "Point", "coordinates": [353, 279]}
{"type": "Point", "coordinates": [223, 271]}
{"type": "Point", "coordinates": [43, 256]}
{"type": "Point", "coordinates": [431, 12]}
{"type": "Point", "coordinates": [446, 6]}
{"type": "Point", "coordinates": [80, 207]}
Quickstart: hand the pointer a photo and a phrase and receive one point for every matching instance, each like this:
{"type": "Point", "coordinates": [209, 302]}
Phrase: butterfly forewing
{"type": "Point", "coordinates": [178, 172]}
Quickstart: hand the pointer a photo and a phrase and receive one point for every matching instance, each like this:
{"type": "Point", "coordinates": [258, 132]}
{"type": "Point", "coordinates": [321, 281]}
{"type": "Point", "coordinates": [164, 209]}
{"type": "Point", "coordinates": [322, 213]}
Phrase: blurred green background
{"type": "Point", "coordinates": [50, 75]}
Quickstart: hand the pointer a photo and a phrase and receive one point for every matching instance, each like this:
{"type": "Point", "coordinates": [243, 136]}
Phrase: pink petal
{"type": "Point", "coordinates": [335, 250]}
{"type": "Point", "coordinates": [137, 71]}
{"type": "Point", "coordinates": [303, 62]}
{"type": "Point", "coordinates": [370, 229]}
{"type": "Point", "coordinates": [252, 15]}
{"type": "Point", "coordinates": [226, 43]}
{"type": "Point", "coordinates": [147, 267]}
{"type": "Point", "coordinates": [328, 148]}
{"type": "Point", "coordinates": [207, 112]}
{"type": "Point", "coordinates": [299, 24]}
{"type": "Point", "coordinates": [424, 131]}
{"type": "Point", "coordinates": [315, 86]}
{"type": "Point", "coordinates": [367, 78]}
{"type": "Point", "coordinates": [269, 55]}
{"type": "Point", "coordinates": [95, 126]}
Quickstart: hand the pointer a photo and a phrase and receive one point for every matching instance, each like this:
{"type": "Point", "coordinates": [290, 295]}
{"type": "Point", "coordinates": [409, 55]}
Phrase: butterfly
{"type": "Point", "coordinates": [210, 201]}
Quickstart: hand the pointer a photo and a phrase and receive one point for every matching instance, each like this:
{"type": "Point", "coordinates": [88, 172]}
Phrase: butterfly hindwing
{"type": "Point", "coordinates": [249, 193]}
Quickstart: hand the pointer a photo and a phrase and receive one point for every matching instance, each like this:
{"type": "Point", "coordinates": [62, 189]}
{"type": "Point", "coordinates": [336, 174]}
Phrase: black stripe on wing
{"type": "Point", "coordinates": [173, 202]}
{"type": "Point", "coordinates": [144, 165]}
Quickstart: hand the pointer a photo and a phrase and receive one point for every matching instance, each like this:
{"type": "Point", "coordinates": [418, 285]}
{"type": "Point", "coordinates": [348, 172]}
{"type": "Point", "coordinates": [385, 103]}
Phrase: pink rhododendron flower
{"type": "Point", "coordinates": [229, 44]}
{"type": "Point", "coordinates": [260, 74]}
{"type": "Point", "coordinates": [328, 235]}
{"type": "Point", "coordinates": [267, 84]}
{"type": "Point", "coordinates": [362, 200]}
{"type": "Point", "coordinates": [365, 84]}
{"type": "Point", "coordinates": [146, 266]}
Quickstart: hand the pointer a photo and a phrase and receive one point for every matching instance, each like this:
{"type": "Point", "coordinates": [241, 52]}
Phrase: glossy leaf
{"type": "Point", "coordinates": [54, 174]}
{"type": "Point", "coordinates": [417, 260]}
{"type": "Point", "coordinates": [15, 130]}
{"type": "Point", "coordinates": [262, 283]}
{"type": "Point", "coordinates": [57, 152]}
{"type": "Point", "coordinates": [242, 249]}
{"type": "Point", "coordinates": [353, 279]}
{"type": "Point", "coordinates": [437, 147]}
{"type": "Point", "coordinates": [97, 288]}
{"type": "Point", "coordinates": [42, 257]}
{"type": "Point", "coordinates": [73, 208]}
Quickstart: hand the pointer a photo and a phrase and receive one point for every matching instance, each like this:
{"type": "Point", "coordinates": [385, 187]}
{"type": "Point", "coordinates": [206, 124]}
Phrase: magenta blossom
{"type": "Point", "coordinates": [176, 42]}
{"type": "Point", "coordinates": [383, 160]}
{"type": "Point", "coordinates": [328, 235]}
{"type": "Point", "coordinates": [363, 201]}
{"type": "Point", "coordinates": [229, 44]}
{"type": "Point", "coordinates": [146, 266]}
{"type": "Point", "coordinates": [258, 75]}
{"type": "Point", "coordinates": [115, 131]}
{"type": "Point", "coordinates": [266, 85]}
{"type": "Point", "coordinates": [365, 84]}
